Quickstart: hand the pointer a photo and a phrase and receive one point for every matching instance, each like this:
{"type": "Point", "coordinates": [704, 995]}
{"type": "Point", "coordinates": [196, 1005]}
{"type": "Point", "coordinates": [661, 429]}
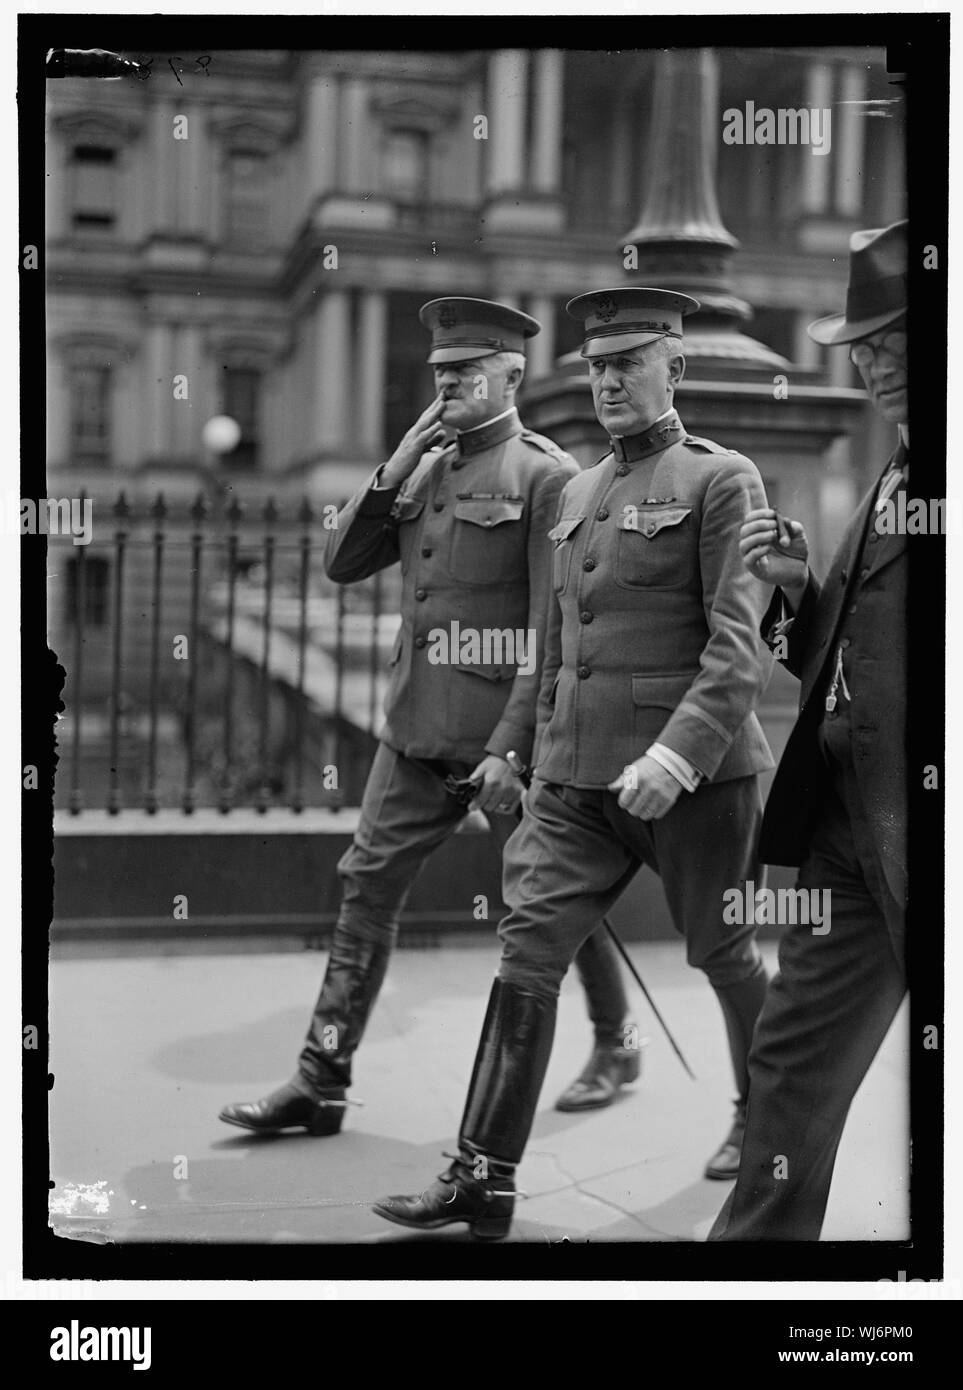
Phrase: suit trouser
{"type": "Point", "coordinates": [406, 814]}
{"type": "Point", "coordinates": [826, 1013]}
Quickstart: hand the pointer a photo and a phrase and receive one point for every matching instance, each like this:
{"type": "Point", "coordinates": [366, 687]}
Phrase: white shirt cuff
{"type": "Point", "coordinates": [673, 762]}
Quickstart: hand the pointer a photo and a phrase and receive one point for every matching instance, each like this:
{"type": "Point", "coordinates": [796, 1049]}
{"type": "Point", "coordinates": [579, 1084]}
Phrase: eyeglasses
{"type": "Point", "coordinates": [864, 352]}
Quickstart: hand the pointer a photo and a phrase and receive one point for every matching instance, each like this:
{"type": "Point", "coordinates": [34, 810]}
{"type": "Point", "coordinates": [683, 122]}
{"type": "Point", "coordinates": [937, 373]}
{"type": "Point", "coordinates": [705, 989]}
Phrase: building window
{"type": "Point", "coordinates": [405, 158]}
{"type": "Point", "coordinates": [89, 387]}
{"type": "Point", "coordinates": [242, 401]}
{"type": "Point", "coordinates": [248, 196]}
{"type": "Point", "coordinates": [94, 187]}
{"type": "Point", "coordinates": [96, 590]}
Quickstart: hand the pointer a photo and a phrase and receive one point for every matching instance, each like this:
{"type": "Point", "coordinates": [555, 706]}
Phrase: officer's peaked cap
{"type": "Point", "coordinates": [462, 329]}
{"type": "Point", "coordinates": [629, 317]}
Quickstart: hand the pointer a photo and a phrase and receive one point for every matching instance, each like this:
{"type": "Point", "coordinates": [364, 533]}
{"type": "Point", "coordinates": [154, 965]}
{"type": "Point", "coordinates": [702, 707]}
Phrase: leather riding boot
{"type": "Point", "coordinates": [740, 1003]}
{"type": "Point", "coordinates": [616, 1058]}
{"type": "Point", "coordinates": [506, 1081]}
{"type": "Point", "coordinates": [314, 1099]}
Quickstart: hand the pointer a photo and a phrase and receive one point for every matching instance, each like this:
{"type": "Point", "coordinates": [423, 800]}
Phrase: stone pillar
{"type": "Point", "coordinates": [372, 358]}
{"type": "Point", "coordinates": [805, 353]}
{"type": "Point", "coordinates": [541, 348]}
{"type": "Point", "coordinates": [188, 415]}
{"type": "Point", "coordinates": [320, 135]}
{"type": "Point", "coordinates": [355, 136]}
{"type": "Point", "coordinates": [161, 180]}
{"type": "Point", "coordinates": [547, 80]}
{"type": "Point", "coordinates": [625, 148]}
{"type": "Point", "coordinates": [848, 138]}
{"type": "Point", "coordinates": [157, 392]}
{"type": "Point", "coordinates": [817, 168]}
{"type": "Point", "coordinates": [331, 353]}
{"type": "Point", "coordinates": [507, 102]}
{"type": "Point", "coordinates": [195, 184]}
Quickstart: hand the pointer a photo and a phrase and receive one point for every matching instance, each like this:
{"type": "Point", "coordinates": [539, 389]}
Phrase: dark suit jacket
{"type": "Point", "coordinates": [878, 683]}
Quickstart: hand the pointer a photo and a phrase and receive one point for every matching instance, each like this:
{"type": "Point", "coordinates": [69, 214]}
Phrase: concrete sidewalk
{"type": "Point", "coordinates": [145, 1051]}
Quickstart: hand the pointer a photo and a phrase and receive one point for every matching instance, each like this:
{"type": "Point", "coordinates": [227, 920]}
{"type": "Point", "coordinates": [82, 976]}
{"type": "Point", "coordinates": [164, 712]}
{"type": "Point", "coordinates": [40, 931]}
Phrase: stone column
{"type": "Point", "coordinates": [332, 357]}
{"type": "Point", "coordinates": [547, 80]}
{"type": "Point", "coordinates": [188, 415]}
{"type": "Point", "coordinates": [848, 139]}
{"type": "Point", "coordinates": [355, 136]}
{"type": "Point", "coordinates": [158, 399]}
{"type": "Point", "coordinates": [507, 101]}
{"type": "Point", "coordinates": [541, 348]}
{"type": "Point", "coordinates": [817, 168]}
{"type": "Point", "coordinates": [320, 135]}
{"type": "Point", "coordinates": [372, 357]}
{"type": "Point", "coordinates": [805, 352]}
{"type": "Point", "coordinates": [625, 148]}
{"type": "Point", "coordinates": [162, 169]}
{"type": "Point", "coordinates": [194, 180]}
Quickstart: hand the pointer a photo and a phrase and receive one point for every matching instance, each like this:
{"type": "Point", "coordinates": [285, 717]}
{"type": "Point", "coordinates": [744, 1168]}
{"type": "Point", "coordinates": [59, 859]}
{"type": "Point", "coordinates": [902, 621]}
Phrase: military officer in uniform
{"type": "Point", "coordinates": [469, 522]}
{"type": "Point", "coordinates": [837, 807]}
{"type": "Point", "coordinates": [649, 747]}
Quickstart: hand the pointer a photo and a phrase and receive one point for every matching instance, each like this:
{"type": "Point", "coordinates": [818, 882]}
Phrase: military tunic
{"type": "Point", "coordinates": [470, 528]}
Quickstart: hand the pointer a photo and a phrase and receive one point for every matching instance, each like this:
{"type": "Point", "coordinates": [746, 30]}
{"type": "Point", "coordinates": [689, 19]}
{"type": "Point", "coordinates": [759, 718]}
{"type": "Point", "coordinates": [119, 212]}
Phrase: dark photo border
{"type": "Point", "coordinates": [917, 47]}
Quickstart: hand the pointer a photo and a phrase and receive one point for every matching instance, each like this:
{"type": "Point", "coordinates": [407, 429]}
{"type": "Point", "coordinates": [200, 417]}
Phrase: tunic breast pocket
{"type": "Point", "coordinates": [406, 512]}
{"type": "Point", "coordinates": [488, 542]}
{"type": "Point", "coordinates": [655, 548]}
{"type": "Point", "coordinates": [562, 535]}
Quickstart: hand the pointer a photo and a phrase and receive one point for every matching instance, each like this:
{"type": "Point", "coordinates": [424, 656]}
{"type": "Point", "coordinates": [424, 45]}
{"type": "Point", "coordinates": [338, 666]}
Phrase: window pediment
{"type": "Point", "coordinates": [414, 111]}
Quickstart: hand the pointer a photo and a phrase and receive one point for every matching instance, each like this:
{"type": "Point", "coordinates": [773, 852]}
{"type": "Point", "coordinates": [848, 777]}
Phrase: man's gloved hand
{"type": "Point", "coordinates": [499, 789]}
{"type": "Point", "coordinates": [645, 789]}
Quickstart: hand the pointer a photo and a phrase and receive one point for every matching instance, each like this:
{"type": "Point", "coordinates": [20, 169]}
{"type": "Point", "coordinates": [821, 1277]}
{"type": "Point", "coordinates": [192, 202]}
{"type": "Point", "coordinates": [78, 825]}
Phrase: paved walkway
{"type": "Point", "coordinates": [146, 1049]}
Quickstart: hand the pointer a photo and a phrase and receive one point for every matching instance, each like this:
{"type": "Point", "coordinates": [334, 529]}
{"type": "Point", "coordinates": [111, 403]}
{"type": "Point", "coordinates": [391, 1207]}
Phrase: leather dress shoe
{"type": "Point", "coordinates": [610, 1066]}
{"type": "Point", "coordinates": [289, 1108]}
{"type": "Point", "coordinates": [724, 1163]}
{"type": "Point", "coordinates": [486, 1203]}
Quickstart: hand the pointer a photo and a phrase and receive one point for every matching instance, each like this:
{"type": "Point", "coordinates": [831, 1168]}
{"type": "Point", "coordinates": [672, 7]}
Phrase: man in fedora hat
{"type": "Point", "coordinates": [837, 807]}
{"type": "Point", "coordinates": [648, 750]}
{"type": "Point", "coordinates": [468, 521]}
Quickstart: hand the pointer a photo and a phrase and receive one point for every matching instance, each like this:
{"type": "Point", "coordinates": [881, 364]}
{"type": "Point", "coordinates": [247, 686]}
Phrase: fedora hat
{"type": "Point", "coordinates": [876, 294]}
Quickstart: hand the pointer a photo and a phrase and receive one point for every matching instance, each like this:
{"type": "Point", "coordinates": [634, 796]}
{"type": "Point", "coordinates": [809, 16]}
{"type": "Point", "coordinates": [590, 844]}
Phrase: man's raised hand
{"type": "Point", "coordinates": [775, 550]}
{"type": "Point", "coordinates": [424, 434]}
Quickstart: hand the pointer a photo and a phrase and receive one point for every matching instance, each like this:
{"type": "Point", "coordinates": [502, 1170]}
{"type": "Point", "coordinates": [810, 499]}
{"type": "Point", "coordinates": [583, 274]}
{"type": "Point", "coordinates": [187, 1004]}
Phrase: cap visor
{"type": "Point", "coordinates": [834, 329]}
{"type": "Point", "coordinates": [459, 354]}
{"type": "Point", "coordinates": [617, 342]}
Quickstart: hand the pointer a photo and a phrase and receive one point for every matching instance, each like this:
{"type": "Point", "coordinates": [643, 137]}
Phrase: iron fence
{"type": "Point", "coordinates": [210, 661]}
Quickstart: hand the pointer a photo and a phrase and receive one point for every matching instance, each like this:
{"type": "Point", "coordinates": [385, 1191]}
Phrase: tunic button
{"type": "Point", "coordinates": [421, 594]}
{"type": "Point", "coordinates": [586, 617]}
{"type": "Point", "coordinates": [874, 538]}
{"type": "Point", "coordinates": [583, 673]}
{"type": "Point", "coordinates": [842, 576]}
{"type": "Point", "coordinates": [426, 551]}
{"type": "Point", "coordinates": [648, 529]}
{"type": "Point", "coordinates": [421, 641]}
{"type": "Point", "coordinates": [588, 564]}
{"type": "Point", "coordinates": [844, 642]}
{"type": "Point", "coordinates": [602, 515]}
{"type": "Point", "coordinates": [622, 469]}
{"type": "Point", "coordinates": [854, 608]}
{"type": "Point", "coordinates": [864, 571]}
{"type": "Point", "coordinates": [439, 506]}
